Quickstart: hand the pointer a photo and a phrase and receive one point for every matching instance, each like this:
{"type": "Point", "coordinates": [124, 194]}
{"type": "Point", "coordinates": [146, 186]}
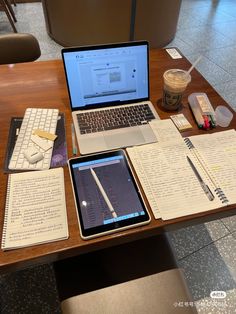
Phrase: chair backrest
{"type": "Point", "coordinates": [19, 47]}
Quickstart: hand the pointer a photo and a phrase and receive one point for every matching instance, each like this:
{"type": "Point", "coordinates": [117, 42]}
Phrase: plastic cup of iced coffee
{"type": "Point", "coordinates": [175, 83]}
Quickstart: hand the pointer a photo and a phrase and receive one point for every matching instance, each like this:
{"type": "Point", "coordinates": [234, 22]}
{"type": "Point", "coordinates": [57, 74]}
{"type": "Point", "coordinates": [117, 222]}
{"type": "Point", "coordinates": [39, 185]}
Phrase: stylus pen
{"type": "Point", "coordinates": [74, 147]}
{"type": "Point", "coordinates": [204, 186]}
{"type": "Point", "coordinates": [101, 189]}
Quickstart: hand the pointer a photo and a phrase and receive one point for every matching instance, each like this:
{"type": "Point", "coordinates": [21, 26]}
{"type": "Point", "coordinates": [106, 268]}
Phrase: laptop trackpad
{"type": "Point", "coordinates": [123, 138]}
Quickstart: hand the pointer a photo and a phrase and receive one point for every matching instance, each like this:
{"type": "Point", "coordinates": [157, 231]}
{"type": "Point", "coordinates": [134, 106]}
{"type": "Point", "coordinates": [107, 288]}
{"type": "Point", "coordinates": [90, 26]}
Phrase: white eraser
{"type": "Point", "coordinates": [41, 142]}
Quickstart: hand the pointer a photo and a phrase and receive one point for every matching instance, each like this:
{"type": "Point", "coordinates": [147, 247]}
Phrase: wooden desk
{"type": "Point", "coordinates": [42, 84]}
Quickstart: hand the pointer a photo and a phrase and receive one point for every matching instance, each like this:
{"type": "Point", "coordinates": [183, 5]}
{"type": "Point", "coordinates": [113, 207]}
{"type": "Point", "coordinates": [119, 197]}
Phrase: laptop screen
{"type": "Point", "coordinates": [107, 74]}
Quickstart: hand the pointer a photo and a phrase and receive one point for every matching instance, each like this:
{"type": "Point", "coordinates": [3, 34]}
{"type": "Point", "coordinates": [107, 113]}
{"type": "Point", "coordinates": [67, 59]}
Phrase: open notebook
{"type": "Point", "coordinates": [35, 210]}
{"type": "Point", "coordinates": [170, 184]}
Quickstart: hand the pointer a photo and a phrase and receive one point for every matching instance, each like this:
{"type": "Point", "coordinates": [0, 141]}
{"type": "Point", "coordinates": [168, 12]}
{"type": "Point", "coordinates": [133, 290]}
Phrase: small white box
{"type": "Point", "coordinates": [181, 122]}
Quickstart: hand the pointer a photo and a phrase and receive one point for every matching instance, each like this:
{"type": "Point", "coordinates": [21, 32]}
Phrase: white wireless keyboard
{"type": "Point", "coordinates": [34, 118]}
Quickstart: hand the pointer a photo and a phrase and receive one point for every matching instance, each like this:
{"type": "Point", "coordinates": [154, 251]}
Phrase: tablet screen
{"type": "Point", "coordinates": [106, 193]}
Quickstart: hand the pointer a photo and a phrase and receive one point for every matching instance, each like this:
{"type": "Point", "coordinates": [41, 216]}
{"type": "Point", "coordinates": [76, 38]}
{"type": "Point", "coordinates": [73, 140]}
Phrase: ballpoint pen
{"type": "Point", "coordinates": [74, 146]}
{"type": "Point", "coordinates": [101, 189]}
{"type": "Point", "coordinates": [204, 186]}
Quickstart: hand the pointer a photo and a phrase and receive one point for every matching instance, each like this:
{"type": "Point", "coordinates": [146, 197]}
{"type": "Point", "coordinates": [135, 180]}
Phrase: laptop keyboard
{"type": "Point", "coordinates": [115, 118]}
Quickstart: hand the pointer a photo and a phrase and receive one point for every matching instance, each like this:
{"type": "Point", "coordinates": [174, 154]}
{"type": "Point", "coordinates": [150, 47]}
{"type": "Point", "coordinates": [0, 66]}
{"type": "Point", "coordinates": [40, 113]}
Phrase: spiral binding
{"type": "Point", "coordinates": [221, 195]}
{"type": "Point", "coordinates": [188, 143]}
{"type": "Point", "coordinates": [6, 213]}
{"type": "Point", "coordinates": [218, 191]}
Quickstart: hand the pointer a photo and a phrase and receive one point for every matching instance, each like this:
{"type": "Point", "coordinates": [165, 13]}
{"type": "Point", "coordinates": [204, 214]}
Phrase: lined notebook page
{"type": "Point", "coordinates": [166, 175]}
{"type": "Point", "coordinates": [219, 152]}
{"type": "Point", "coordinates": [165, 131]}
{"type": "Point", "coordinates": [143, 178]}
{"type": "Point", "coordinates": [35, 209]}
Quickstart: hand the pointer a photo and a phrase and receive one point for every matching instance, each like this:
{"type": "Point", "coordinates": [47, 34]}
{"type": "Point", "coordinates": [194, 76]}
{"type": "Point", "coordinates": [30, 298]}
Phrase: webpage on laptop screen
{"type": "Point", "coordinates": [107, 75]}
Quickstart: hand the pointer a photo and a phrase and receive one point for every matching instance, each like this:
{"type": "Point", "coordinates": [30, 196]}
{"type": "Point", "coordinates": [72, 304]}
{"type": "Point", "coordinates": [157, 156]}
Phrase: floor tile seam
{"type": "Point", "coordinates": [198, 250]}
{"type": "Point", "coordinates": [221, 68]}
{"type": "Point", "coordinates": [202, 26]}
{"type": "Point", "coordinates": [216, 85]}
{"type": "Point", "coordinates": [193, 46]}
{"type": "Point", "coordinates": [178, 35]}
{"type": "Point", "coordinates": [202, 50]}
{"type": "Point", "coordinates": [231, 46]}
{"type": "Point", "coordinates": [190, 47]}
{"type": "Point", "coordinates": [209, 79]}
{"type": "Point", "coordinates": [231, 19]}
{"type": "Point", "coordinates": [234, 234]}
{"type": "Point", "coordinates": [227, 21]}
{"type": "Point", "coordinates": [197, 7]}
{"type": "Point", "coordinates": [225, 34]}
{"type": "Point", "coordinates": [211, 25]}
{"type": "Point", "coordinates": [227, 12]}
{"type": "Point", "coordinates": [228, 228]}
{"type": "Point", "coordinates": [212, 61]}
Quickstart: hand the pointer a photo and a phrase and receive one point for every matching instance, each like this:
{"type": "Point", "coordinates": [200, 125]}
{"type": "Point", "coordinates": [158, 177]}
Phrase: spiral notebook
{"type": "Point", "coordinates": [169, 182]}
{"type": "Point", "coordinates": [35, 210]}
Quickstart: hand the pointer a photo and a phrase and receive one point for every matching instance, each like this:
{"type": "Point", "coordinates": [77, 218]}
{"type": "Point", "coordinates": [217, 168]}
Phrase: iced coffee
{"type": "Point", "coordinates": [175, 83]}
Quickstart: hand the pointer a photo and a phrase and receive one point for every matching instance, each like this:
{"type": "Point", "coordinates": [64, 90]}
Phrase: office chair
{"type": "Point", "coordinates": [5, 5]}
{"type": "Point", "coordinates": [19, 47]}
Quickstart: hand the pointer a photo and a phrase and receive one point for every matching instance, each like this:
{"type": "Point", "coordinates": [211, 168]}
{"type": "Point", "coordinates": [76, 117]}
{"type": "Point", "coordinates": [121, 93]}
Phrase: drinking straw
{"type": "Point", "coordinates": [193, 65]}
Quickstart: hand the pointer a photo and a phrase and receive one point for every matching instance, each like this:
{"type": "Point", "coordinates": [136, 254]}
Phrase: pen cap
{"type": "Point", "coordinates": [223, 116]}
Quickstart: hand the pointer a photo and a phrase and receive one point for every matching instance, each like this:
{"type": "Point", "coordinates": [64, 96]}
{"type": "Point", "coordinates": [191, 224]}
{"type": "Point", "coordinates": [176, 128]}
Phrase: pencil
{"type": "Point", "coordinates": [74, 146]}
{"type": "Point", "coordinates": [204, 186]}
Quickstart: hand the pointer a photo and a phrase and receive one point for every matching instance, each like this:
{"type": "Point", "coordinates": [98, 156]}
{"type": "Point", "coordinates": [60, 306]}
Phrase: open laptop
{"type": "Point", "coordinates": [108, 85]}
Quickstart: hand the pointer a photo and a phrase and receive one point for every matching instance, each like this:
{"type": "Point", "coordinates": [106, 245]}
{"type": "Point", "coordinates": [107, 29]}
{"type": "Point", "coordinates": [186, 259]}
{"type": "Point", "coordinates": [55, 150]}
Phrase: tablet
{"type": "Point", "coordinates": [106, 194]}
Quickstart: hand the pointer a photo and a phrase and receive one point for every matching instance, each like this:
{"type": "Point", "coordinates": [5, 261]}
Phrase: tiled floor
{"type": "Point", "coordinates": [206, 252]}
